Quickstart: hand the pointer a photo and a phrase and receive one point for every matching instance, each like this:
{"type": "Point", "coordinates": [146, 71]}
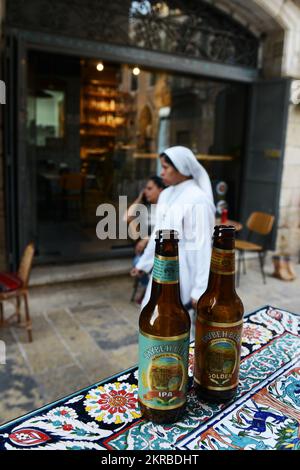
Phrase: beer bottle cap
{"type": "Point", "coordinates": [167, 235]}
{"type": "Point", "coordinates": [224, 231]}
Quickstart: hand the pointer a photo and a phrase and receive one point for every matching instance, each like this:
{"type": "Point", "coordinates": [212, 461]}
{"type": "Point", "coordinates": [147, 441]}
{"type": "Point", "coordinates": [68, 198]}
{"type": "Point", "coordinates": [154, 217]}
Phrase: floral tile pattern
{"type": "Point", "coordinates": [264, 415]}
{"type": "Point", "coordinates": [264, 421]}
{"type": "Point", "coordinates": [113, 403]}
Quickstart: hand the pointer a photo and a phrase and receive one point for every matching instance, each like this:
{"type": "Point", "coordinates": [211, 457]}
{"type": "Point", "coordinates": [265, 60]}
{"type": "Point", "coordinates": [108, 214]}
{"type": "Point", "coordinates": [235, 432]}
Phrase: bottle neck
{"type": "Point", "coordinates": [165, 293]}
{"type": "Point", "coordinates": [222, 270]}
{"type": "Point", "coordinates": [165, 275]}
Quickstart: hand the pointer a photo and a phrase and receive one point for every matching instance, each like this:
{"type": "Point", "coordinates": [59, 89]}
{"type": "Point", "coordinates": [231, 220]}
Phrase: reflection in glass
{"type": "Point", "coordinates": [93, 136]}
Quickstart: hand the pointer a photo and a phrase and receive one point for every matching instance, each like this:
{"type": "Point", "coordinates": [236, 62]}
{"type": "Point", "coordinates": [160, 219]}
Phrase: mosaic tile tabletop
{"type": "Point", "coordinates": [265, 414]}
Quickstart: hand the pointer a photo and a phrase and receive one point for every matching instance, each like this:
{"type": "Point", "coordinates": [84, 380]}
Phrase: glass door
{"type": "Point", "coordinates": [94, 133]}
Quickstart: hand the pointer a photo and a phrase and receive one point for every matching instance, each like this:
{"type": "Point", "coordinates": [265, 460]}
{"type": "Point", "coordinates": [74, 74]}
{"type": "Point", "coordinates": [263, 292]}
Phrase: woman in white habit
{"type": "Point", "coordinates": [187, 206]}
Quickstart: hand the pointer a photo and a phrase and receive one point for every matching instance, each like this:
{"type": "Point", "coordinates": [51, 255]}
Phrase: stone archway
{"type": "Point", "coordinates": [279, 22]}
{"type": "Point", "coordinates": [287, 15]}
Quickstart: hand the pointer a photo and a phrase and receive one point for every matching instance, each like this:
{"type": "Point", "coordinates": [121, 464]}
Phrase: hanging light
{"type": "Point", "coordinates": [136, 71]}
{"type": "Point", "coordinates": [100, 66]}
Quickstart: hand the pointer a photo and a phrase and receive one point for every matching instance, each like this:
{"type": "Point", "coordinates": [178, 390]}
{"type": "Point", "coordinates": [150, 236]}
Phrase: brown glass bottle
{"type": "Point", "coordinates": [219, 324]}
{"type": "Point", "coordinates": [164, 338]}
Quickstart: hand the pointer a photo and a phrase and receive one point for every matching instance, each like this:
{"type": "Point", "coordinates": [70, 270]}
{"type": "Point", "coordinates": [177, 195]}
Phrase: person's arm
{"type": "Point", "coordinates": [130, 214]}
{"type": "Point", "coordinates": [141, 245]}
{"type": "Point", "coordinates": [146, 261]}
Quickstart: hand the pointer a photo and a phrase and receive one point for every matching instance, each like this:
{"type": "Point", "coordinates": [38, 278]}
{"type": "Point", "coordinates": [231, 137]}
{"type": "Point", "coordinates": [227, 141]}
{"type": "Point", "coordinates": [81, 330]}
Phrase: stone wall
{"type": "Point", "coordinates": [278, 21]}
{"type": "Point", "coordinates": [3, 259]}
{"type": "Point", "coordinates": [282, 58]}
{"type": "Point", "coordinates": [273, 49]}
{"type": "Point", "coordinates": [289, 219]}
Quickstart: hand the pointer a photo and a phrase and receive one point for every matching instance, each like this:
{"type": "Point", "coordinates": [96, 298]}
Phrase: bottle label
{"type": "Point", "coordinates": [163, 371]}
{"type": "Point", "coordinates": [222, 261]}
{"type": "Point", "coordinates": [217, 354]}
{"type": "Point", "coordinates": [166, 269]}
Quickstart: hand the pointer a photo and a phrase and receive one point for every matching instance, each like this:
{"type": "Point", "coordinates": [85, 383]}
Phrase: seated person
{"type": "Point", "coordinates": [149, 197]}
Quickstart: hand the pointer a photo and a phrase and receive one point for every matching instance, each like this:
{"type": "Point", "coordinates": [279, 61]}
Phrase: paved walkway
{"type": "Point", "coordinates": [86, 331]}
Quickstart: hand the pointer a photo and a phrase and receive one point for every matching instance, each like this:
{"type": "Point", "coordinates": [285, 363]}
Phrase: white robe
{"type": "Point", "coordinates": [178, 208]}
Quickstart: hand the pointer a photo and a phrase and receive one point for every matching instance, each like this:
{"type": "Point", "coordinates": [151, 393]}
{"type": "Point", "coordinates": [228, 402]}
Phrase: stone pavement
{"type": "Point", "coordinates": [86, 331]}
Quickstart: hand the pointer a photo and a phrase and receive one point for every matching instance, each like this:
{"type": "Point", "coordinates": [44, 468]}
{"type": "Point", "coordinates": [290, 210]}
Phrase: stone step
{"type": "Point", "coordinates": [57, 274]}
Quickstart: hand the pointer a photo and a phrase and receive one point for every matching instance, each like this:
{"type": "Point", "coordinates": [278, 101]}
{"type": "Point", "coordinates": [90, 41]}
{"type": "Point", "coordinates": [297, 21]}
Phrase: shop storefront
{"type": "Point", "coordinates": [95, 98]}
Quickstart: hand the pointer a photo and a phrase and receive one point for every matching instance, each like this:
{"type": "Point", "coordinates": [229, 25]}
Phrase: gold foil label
{"type": "Point", "coordinates": [167, 258]}
{"type": "Point", "coordinates": [163, 371]}
{"type": "Point", "coordinates": [222, 262]}
{"type": "Point", "coordinates": [217, 354]}
{"type": "Point", "coordinates": [221, 325]}
{"type": "Point", "coordinates": [165, 338]}
{"type": "Point", "coordinates": [218, 389]}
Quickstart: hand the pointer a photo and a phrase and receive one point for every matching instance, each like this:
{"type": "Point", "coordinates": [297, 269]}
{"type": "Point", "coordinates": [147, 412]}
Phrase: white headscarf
{"type": "Point", "coordinates": [187, 164]}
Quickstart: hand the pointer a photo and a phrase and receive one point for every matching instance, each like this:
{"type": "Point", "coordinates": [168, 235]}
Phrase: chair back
{"type": "Point", "coordinates": [25, 264]}
{"type": "Point", "coordinates": [72, 181]}
{"type": "Point", "coordinates": [260, 222]}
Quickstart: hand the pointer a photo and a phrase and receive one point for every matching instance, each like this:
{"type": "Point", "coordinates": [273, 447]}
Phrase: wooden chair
{"type": "Point", "coordinates": [259, 223]}
{"type": "Point", "coordinates": [17, 288]}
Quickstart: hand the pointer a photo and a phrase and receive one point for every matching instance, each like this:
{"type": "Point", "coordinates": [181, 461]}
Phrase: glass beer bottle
{"type": "Point", "coordinates": [164, 338]}
{"type": "Point", "coordinates": [219, 324]}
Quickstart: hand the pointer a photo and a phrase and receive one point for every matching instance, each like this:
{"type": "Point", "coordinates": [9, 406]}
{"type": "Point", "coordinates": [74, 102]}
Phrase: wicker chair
{"type": "Point", "coordinates": [259, 223]}
{"type": "Point", "coordinates": [17, 289]}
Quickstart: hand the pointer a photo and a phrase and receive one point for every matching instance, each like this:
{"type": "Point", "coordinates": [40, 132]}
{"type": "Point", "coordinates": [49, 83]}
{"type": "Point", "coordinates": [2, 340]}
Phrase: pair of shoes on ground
{"type": "Point", "coordinates": [283, 268]}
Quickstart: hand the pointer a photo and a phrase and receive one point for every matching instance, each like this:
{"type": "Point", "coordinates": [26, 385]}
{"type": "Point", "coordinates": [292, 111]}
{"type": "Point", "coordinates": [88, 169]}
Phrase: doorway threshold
{"type": "Point", "coordinates": [44, 275]}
